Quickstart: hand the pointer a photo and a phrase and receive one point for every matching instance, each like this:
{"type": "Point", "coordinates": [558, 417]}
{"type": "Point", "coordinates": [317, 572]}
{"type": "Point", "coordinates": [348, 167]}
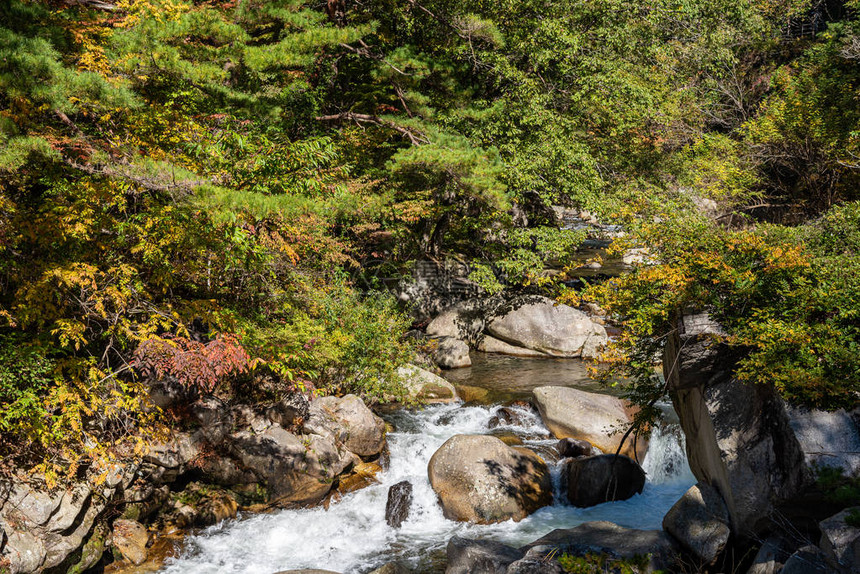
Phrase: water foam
{"type": "Point", "coordinates": [353, 537]}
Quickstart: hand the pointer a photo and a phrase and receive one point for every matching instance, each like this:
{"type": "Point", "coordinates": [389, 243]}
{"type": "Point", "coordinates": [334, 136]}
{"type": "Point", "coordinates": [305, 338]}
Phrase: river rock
{"type": "Point", "coordinates": [298, 469]}
{"type": "Point", "coordinates": [508, 416]}
{"type": "Point", "coordinates": [597, 479]}
{"type": "Point", "coordinates": [130, 538]}
{"type": "Point", "coordinates": [539, 323]}
{"type": "Point", "coordinates": [307, 571]}
{"type": "Point", "coordinates": [349, 421]}
{"type": "Point", "coordinates": [425, 386]}
{"type": "Point", "coordinates": [464, 321]}
{"type": "Point", "coordinates": [739, 437]}
{"type": "Point", "coordinates": [840, 541]}
{"type": "Point", "coordinates": [488, 344]}
{"type": "Point", "coordinates": [700, 522]}
{"type": "Point", "coordinates": [452, 353]}
{"type": "Point", "coordinates": [608, 538]}
{"type": "Point", "coordinates": [467, 556]}
{"type": "Point", "coordinates": [573, 448]}
{"type": "Point", "coordinates": [571, 413]}
{"type": "Point", "coordinates": [399, 502]}
{"type": "Point", "coordinates": [482, 480]}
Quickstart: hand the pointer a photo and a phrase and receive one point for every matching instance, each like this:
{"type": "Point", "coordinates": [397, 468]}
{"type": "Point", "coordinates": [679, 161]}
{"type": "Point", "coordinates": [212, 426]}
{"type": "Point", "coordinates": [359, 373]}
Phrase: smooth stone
{"type": "Point", "coordinates": [593, 480]}
{"type": "Point", "coordinates": [398, 504]}
{"type": "Point", "coordinates": [489, 344]}
{"type": "Point", "coordinates": [452, 353]}
{"type": "Point", "coordinates": [425, 386]}
{"type": "Point", "coordinates": [699, 520]}
{"type": "Point", "coordinates": [467, 556]}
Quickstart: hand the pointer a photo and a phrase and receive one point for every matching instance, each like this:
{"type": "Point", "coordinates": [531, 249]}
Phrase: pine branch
{"type": "Point", "coordinates": [416, 138]}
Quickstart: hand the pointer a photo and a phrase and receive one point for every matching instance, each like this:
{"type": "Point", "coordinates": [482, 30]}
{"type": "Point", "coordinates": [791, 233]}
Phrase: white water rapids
{"type": "Point", "coordinates": [352, 535]}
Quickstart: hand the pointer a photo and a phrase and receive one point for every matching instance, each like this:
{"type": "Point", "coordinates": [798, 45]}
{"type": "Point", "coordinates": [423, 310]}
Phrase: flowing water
{"type": "Point", "coordinates": [353, 537]}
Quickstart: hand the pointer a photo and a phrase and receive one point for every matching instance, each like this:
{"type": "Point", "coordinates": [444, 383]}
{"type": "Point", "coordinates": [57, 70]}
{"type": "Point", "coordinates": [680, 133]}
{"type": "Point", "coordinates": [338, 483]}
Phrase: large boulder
{"type": "Point", "coordinates": [349, 422]}
{"type": "Point", "coordinates": [827, 438]}
{"type": "Point", "coordinates": [608, 538]}
{"type": "Point", "coordinates": [700, 522]}
{"type": "Point", "coordinates": [593, 480]}
{"type": "Point", "coordinates": [596, 418]}
{"type": "Point", "coordinates": [539, 323]}
{"type": "Point", "coordinates": [467, 556]}
{"type": "Point", "coordinates": [296, 469]}
{"type": "Point", "coordinates": [452, 353]}
{"type": "Point", "coordinates": [464, 321]}
{"type": "Point", "coordinates": [840, 541]}
{"type": "Point", "coordinates": [739, 438]}
{"type": "Point", "coordinates": [425, 386]}
{"type": "Point", "coordinates": [482, 480]}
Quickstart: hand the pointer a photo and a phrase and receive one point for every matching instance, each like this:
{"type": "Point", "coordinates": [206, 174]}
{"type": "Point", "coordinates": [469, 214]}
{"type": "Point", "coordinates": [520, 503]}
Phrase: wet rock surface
{"type": "Point", "coordinates": [482, 480]}
{"type": "Point", "coordinates": [593, 480]}
{"type": "Point", "coordinates": [593, 417]}
{"type": "Point", "coordinates": [398, 504]}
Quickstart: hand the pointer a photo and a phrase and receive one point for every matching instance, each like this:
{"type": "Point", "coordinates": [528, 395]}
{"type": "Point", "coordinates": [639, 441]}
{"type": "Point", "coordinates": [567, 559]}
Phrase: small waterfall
{"type": "Point", "coordinates": [666, 459]}
{"type": "Point", "coordinates": [352, 536]}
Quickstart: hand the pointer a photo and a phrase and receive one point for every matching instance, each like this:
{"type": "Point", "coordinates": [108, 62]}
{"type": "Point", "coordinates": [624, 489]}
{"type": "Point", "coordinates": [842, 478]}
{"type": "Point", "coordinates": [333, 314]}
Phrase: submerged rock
{"type": "Point", "coordinates": [467, 556]}
{"type": "Point", "coordinates": [571, 413]}
{"type": "Point", "coordinates": [399, 502]}
{"type": "Point", "coordinates": [700, 522]}
{"type": "Point", "coordinates": [593, 480]}
{"type": "Point", "coordinates": [452, 353]}
{"type": "Point", "coordinates": [482, 480]}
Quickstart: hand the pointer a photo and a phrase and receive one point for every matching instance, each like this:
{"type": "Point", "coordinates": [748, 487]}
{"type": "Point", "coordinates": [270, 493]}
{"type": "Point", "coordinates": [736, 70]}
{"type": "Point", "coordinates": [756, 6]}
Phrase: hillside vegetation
{"type": "Point", "coordinates": [205, 190]}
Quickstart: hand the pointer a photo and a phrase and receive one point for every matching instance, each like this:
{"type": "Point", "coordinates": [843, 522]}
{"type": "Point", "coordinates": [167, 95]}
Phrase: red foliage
{"type": "Point", "coordinates": [192, 363]}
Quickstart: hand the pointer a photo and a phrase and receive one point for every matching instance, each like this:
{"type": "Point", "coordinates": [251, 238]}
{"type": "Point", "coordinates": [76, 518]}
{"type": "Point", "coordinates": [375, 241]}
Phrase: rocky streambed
{"type": "Point", "coordinates": [352, 535]}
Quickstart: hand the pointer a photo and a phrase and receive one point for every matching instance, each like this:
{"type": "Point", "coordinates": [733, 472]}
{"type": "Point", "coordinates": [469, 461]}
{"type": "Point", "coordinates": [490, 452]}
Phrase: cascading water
{"type": "Point", "coordinates": [353, 537]}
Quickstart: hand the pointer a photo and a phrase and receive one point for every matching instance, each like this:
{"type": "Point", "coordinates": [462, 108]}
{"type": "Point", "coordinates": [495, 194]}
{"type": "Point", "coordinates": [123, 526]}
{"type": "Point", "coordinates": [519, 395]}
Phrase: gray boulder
{"type": "Point", "coordinates": [479, 556]}
{"type": "Point", "coordinates": [349, 422]}
{"type": "Point", "coordinates": [593, 417]}
{"type": "Point", "coordinates": [482, 480]}
{"type": "Point", "coordinates": [608, 538]}
{"type": "Point", "coordinates": [529, 565]}
{"type": "Point", "coordinates": [700, 522]}
{"type": "Point", "coordinates": [425, 386]}
{"type": "Point", "coordinates": [840, 541]}
{"type": "Point", "coordinates": [452, 353]}
{"type": "Point", "coordinates": [827, 439]}
{"type": "Point", "coordinates": [297, 469]}
{"type": "Point", "coordinates": [464, 321]}
{"type": "Point", "coordinates": [738, 437]}
{"type": "Point", "coordinates": [539, 323]}
{"type": "Point", "coordinates": [593, 480]}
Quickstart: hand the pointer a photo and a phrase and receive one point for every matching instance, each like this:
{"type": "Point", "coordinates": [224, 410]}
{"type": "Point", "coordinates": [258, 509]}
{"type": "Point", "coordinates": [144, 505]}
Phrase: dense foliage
{"type": "Point", "coordinates": [190, 189]}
